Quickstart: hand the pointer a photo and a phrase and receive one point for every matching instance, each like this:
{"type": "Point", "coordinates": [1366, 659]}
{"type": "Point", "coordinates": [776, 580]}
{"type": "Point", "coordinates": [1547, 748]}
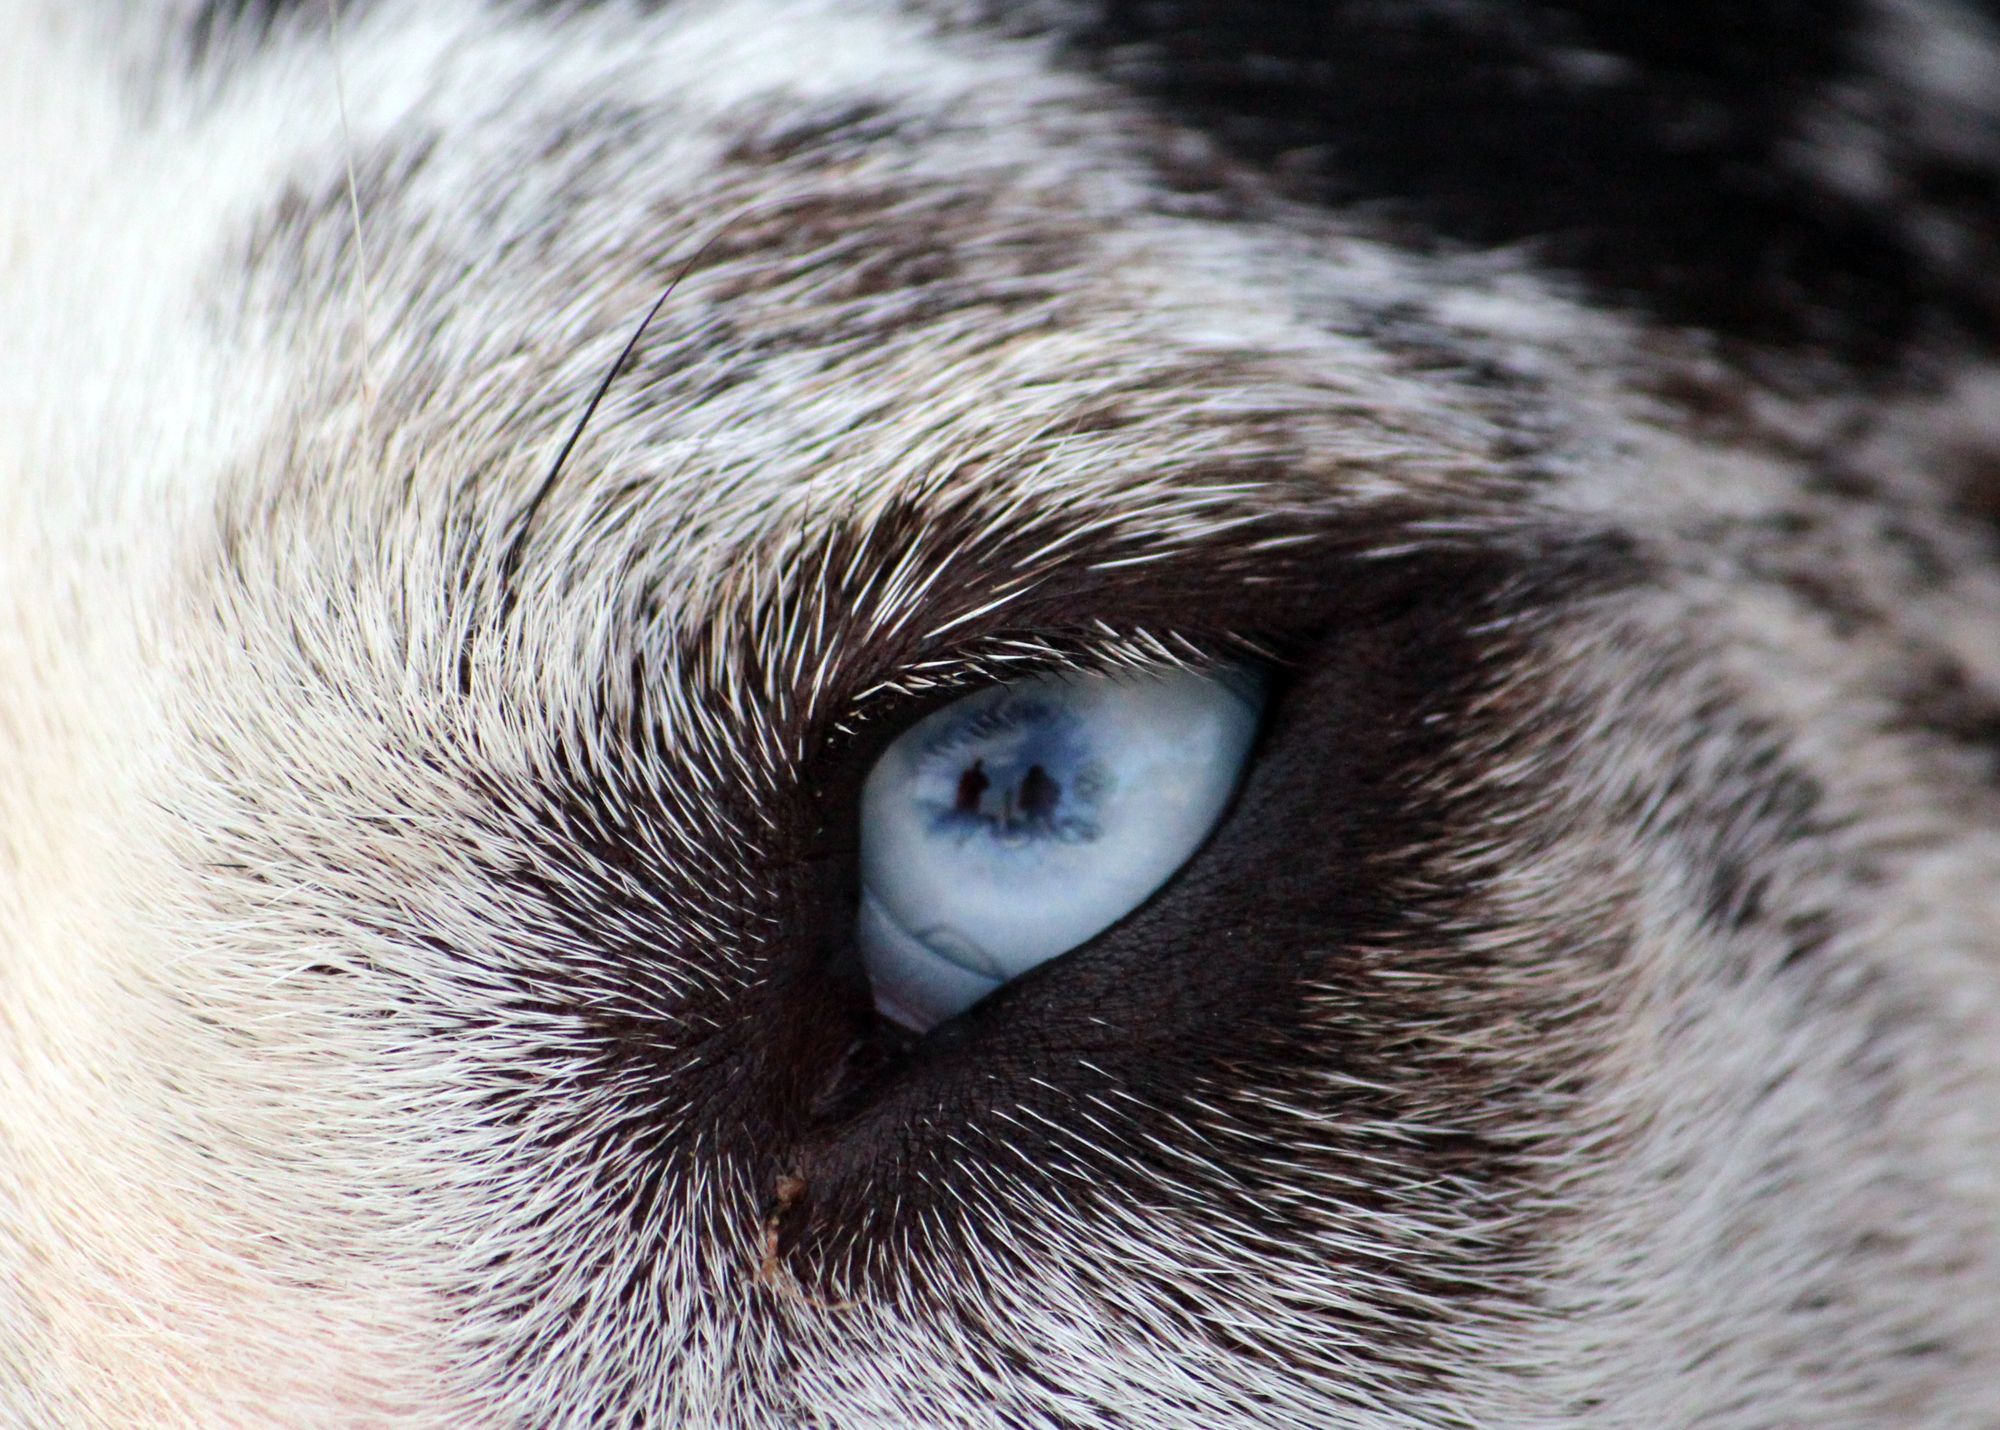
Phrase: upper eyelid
{"type": "Point", "coordinates": [1081, 652]}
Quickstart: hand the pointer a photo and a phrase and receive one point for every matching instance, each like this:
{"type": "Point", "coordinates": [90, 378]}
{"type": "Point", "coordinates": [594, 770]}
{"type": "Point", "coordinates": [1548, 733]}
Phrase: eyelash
{"type": "Point", "coordinates": [930, 684]}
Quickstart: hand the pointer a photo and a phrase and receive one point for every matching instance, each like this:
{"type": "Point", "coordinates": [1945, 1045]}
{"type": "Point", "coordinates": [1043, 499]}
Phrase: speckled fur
{"type": "Point", "coordinates": [396, 870]}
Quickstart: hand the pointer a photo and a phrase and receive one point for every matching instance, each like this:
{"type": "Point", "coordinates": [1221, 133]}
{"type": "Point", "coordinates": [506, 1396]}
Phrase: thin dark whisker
{"type": "Point", "coordinates": [510, 563]}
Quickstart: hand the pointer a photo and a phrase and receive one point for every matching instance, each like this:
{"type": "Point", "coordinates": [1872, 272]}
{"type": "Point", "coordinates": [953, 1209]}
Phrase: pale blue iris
{"type": "Point", "coordinates": [1022, 821]}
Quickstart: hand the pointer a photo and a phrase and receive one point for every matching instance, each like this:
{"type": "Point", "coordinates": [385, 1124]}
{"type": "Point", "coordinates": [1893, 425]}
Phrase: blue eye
{"type": "Point", "coordinates": [1019, 822]}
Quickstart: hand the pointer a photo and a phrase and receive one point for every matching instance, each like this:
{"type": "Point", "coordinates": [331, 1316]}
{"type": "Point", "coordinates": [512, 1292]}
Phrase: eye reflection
{"type": "Point", "coordinates": [1023, 820]}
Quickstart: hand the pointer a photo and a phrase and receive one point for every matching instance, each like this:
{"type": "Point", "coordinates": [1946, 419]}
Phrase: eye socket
{"type": "Point", "coordinates": [1021, 821]}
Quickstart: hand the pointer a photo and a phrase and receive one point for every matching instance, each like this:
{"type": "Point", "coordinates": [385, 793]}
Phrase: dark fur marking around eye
{"type": "Point", "coordinates": [858, 1141]}
{"type": "Point", "coordinates": [1166, 1000]}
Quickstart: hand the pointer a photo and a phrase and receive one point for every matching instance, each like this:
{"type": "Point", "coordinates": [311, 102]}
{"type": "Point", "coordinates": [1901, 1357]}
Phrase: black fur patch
{"type": "Point", "coordinates": [1640, 147]}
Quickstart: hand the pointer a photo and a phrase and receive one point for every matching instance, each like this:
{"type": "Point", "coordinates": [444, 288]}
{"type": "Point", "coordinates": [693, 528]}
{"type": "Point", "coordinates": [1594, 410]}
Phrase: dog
{"type": "Point", "coordinates": [485, 482]}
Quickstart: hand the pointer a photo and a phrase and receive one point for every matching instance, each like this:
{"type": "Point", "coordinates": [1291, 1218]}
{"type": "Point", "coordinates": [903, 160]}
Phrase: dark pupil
{"type": "Point", "coordinates": [1039, 793]}
{"type": "Point", "coordinates": [1035, 800]}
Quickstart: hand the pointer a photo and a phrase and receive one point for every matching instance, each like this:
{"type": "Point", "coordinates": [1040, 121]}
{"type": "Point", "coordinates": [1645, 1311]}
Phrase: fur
{"type": "Point", "coordinates": [426, 983]}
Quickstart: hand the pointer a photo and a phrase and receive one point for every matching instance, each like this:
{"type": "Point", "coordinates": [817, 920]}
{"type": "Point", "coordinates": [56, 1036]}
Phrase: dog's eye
{"type": "Point", "coordinates": [1019, 822]}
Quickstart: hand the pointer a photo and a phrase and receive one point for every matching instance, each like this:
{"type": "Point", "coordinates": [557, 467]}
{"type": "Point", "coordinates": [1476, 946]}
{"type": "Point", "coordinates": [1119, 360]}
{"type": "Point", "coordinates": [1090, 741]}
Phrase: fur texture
{"type": "Point", "coordinates": [426, 983]}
